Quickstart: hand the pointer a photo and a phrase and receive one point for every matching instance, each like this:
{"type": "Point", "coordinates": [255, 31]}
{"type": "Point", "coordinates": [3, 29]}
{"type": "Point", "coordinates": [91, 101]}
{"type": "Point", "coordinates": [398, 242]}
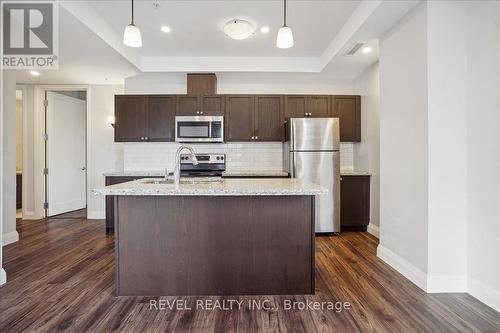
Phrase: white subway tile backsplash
{"type": "Point", "coordinates": [347, 156]}
{"type": "Point", "coordinates": [265, 156]}
{"type": "Point", "coordinates": [240, 156]}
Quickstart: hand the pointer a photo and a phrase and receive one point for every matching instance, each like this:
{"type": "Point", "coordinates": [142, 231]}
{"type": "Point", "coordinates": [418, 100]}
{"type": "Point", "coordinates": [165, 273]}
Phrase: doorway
{"type": "Point", "coordinates": [19, 152]}
{"type": "Point", "coordinates": [65, 151]}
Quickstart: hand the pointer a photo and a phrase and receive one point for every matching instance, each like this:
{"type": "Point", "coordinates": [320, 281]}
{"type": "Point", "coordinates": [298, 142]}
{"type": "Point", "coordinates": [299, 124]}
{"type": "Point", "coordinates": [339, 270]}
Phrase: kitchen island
{"type": "Point", "coordinates": [226, 237]}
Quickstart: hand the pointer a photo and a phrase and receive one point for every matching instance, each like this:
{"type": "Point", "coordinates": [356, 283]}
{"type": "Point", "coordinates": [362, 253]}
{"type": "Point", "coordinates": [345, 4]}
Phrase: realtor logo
{"type": "Point", "coordinates": [29, 34]}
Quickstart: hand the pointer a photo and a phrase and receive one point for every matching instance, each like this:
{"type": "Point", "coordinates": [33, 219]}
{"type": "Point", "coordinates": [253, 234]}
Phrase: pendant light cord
{"type": "Point", "coordinates": [284, 13]}
{"type": "Point", "coordinates": [132, 11]}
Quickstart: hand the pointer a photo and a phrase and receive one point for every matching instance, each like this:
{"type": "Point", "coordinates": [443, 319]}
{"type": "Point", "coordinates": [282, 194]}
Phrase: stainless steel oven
{"type": "Point", "coordinates": [199, 129]}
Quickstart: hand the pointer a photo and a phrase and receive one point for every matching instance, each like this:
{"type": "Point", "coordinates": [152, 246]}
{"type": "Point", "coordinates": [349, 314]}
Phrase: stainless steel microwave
{"type": "Point", "coordinates": [199, 129]}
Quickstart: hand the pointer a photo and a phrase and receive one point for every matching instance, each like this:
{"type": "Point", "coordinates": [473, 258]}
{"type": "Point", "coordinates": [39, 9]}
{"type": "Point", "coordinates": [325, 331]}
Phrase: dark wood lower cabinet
{"type": "Point", "coordinates": [354, 203]}
{"type": "Point", "coordinates": [110, 209]}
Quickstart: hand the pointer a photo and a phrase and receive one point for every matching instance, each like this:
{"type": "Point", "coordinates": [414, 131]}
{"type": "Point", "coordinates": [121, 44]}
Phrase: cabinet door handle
{"type": "Point", "coordinates": [256, 138]}
{"type": "Point", "coordinates": [201, 112]}
{"type": "Point", "coordinates": [253, 137]}
{"type": "Point", "coordinates": [145, 138]}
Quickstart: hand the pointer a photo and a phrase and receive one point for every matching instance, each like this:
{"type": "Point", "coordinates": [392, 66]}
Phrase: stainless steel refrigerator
{"type": "Point", "coordinates": [311, 153]}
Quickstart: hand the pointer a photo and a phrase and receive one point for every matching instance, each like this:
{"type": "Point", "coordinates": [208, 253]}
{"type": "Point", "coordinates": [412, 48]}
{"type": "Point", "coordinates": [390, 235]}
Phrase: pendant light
{"type": "Point", "coordinates": [285, 35]}
{"type": "Point", "coordinates": [132, 34]}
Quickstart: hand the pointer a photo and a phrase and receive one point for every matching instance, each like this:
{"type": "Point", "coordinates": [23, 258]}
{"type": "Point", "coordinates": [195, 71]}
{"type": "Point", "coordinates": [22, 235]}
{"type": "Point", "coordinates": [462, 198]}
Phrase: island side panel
{"type": "Point", "coordinates": [192, 245]}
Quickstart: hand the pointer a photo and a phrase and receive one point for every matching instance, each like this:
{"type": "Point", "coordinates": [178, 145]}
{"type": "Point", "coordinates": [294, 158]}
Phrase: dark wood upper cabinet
{"type": "Point", "coordinates": [348, 109]}
{"type": "Point", "coordinates": [247, 117]}
{"type": "Point", "coordinates": [268, 118]}
{"type": "Point", "coordinates": [239, 119]}
{"type": "Point", "coordinates": [160, 118]}
{"type": "Point", "coordinates": [130, 118]}
{"type": "Point", "coordinates": [295, 106]}
{"type": "Point", "coordinates": [212, 105]}
{"type": "Point", "coordinates": [201, 84]}
{"type": "Point", "coordinates": [318, 106]}
{"type": "Point", "coordinates": [354, 202]}
{"type": "Point", "coordinates": [188, 105]}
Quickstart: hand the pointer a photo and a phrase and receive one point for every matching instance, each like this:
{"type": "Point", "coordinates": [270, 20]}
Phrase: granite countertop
{"type": "Point", "coordinates": [227, 173]}
{"type": "Point", "coordinates": [254, 173]}
{"type": "Point", "coordinates": [354, 173]}
{"type": "Point", "coordinates": [134, 174]}
{"type": "Point", "coordinates": [223, 187]}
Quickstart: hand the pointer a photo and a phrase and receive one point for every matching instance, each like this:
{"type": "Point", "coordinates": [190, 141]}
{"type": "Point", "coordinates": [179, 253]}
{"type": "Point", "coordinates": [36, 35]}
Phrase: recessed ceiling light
{"type": "Point", "coordinates": [165, 29]}
{"type": "Point", "coordinates": [238, 29]}
{"type": "Point", "coordinates": [35, 73]}
{"type": "Point", "coordinates": [366, 49]}
{"type": "Point", "coordinates": [264, 29]}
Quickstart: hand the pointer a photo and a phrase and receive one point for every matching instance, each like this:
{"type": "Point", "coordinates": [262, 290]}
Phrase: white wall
{"type": "Point", "coordinates": [8, 172]}
{"type": "Point", "coordinates": [3, 276]}
{"type": "Point", "coordinates": [367, 152]}
{"type": "Point", "coordinates": [248, 83]}
{"type": "Point", "coordinates": [446, 109]}
{"type": "Point", "coordinates": [403, 147]}
{"type": "Point", "coordinates": [483, 152]}
{"type": "Point", "coordinates": [439, 82]}
{"type": "Point", "coordinates": [29, 211]}
{"type": "Point", "coordinates": [19, 135]}
{"type": "Point", "coordinates": [105, 154]}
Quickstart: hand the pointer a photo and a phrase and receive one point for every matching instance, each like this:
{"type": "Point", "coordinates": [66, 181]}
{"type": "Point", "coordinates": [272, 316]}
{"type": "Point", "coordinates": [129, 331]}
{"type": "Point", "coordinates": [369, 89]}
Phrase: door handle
{"type": "Point", "coordinates": [84, 168]}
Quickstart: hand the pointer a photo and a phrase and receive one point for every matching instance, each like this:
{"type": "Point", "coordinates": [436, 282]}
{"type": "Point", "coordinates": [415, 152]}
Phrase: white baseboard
{"type": "Point", "coordinates": [484, 293]}
{"type": "Point", "coordinates": [373, 229]}
{"type": "Point", "coordinates": [3, 276]}
{"type": "Point", "coordinates": [409, 271]}
{"type": "Point", "coordinates": [10, 238]}
{"type": "Point", "coordinates": [96, 215]}
{"type": "Point", "coordinates": [446, 284]}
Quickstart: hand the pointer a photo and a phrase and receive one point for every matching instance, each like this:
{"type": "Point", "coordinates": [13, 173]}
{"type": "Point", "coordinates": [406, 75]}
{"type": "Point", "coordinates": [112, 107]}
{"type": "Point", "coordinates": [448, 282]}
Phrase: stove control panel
{"type": "Point", "coordinates": [205, 158]}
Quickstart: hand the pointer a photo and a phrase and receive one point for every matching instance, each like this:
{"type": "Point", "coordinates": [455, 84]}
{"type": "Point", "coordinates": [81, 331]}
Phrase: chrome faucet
{"type": "Point", "coordinates": [177, 168]}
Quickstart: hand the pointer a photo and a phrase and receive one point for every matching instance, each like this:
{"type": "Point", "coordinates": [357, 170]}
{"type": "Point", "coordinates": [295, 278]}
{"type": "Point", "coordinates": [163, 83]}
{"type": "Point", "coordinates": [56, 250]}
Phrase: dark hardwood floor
{"type": "Point", "coordinates": [61, 278]}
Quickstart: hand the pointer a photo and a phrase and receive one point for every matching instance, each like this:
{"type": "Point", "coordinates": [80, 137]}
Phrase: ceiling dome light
{"type": "Point", "coordinates": [284, 40]}
{"type": "Point", "coordinates": [165, 29]}
{"type": "Point", "coordinates": [238, 29]}
{"type": "Point", "coordinates": [366, 49]}
{"type": "Point", "coordinates": [132, 34]}
{"type": "Point", "coordinates": [264, 29]}
{"type": "Point", "coordinates": [35, 73]}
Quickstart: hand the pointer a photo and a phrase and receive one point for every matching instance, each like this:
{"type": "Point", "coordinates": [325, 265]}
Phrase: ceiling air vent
{"type": "Point", "coordinates": [351, 51]}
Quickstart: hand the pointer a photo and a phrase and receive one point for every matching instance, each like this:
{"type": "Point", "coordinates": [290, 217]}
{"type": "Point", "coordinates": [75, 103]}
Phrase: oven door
{"type": "Point", "coordinates": [198, 129]}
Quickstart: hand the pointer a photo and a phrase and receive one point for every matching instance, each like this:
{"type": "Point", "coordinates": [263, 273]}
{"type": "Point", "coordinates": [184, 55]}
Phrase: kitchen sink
{"type": "Point", "coordinates": [186, 180]}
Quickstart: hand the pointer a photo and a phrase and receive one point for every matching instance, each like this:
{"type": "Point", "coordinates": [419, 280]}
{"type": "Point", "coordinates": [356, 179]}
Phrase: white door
{"type": "Point", "coordinates": [66, 162]}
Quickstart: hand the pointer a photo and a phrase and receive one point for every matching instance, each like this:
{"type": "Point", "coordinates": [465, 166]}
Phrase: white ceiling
{"type": "Point", "coordinates": [196, 26]}
{"type": "Point", "coordinates": [91, 31]}
{"type": "Point", "coordinates": [84, 58]}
